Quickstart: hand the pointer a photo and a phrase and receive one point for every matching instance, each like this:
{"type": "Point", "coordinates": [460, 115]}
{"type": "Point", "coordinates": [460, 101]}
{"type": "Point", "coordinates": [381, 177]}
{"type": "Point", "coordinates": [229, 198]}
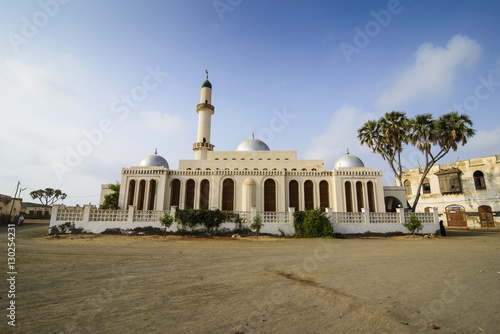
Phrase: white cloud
{"type": "Point", "coordinates": [339, 134]}
{"type": "Point", "coordinates": [167, 124]}
{"type": "Point", "coordinates": [433, 73]}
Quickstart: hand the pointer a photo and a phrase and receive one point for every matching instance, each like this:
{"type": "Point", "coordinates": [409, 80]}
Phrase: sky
{"type": "Point", "coordinates": [90, 87]}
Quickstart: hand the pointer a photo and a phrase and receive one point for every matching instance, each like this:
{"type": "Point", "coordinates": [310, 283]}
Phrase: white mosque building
{"type": "Point", "coordinates": [252, 177]}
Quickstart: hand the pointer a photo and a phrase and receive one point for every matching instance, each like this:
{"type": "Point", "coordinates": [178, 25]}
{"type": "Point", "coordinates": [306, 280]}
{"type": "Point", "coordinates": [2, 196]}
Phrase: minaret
{"type": "Point", "coordinates": [205, 111]}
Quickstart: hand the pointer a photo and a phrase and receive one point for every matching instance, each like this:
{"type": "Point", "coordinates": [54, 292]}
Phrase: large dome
{"type": "Point", "coordinates": [252, 144]}
{"type": "Point", "coordinates": [154, 160]}
{"type": "Point", "coordinates": [348, 161]}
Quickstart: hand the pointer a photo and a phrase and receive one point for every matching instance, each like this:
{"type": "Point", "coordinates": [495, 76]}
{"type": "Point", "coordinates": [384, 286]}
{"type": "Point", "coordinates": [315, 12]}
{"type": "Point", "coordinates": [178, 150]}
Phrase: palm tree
{"type": "Point", "coordinates": [435, 138]}
{"type": "Point", "coordinates": [387, 136]}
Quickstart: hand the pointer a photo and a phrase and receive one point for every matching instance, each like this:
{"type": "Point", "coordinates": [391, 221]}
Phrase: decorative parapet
{"type": "Point", "coordinates": [205, 106]}
{"type": "Point", "coordinates": [144, 171]}
{"type": "Point", "coordinates": [203, 145]}
{"type": "Point", "coordinates": [357, 172]}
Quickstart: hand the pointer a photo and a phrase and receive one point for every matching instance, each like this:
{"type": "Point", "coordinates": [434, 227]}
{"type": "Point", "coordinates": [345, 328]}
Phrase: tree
{"type": "Point", "coordinates": [435, 138]}
{"type": "Point", "coordinates": [111, 200]}
{"type": "Point", "coordinates": [257, 224]}
{"type": "Point", "coordinates": [414, 225]}
{"type": "Point", "coordinates": [166, 221]}
{"type": "Point", "coordinates": [48, 196]}
{"type": "Point", "coordinates": [387, 137]}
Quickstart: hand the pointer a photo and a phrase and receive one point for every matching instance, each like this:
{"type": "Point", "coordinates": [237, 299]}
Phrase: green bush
{"type": "Point", "coordinates": [312, 224]}
{"type": "Point", "coordinates": [166, 221]}
{"type": "Point", "coordinates": [413, 225]}
{"type": "Point", "coordinates": [257, 224]}
{"type": "Point", "coordinates": [210, 219]}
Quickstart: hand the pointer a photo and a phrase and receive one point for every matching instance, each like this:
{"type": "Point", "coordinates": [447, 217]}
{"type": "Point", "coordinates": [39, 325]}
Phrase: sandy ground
{"type": "Point", "coordinates": [124, 284]}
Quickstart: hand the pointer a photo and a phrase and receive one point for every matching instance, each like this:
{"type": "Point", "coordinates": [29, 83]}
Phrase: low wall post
{"type": "Point", "coordinates": [366, 213]}
{"type": "Point", "coordinates": [130, 214]}
{"type": "Point", "coordinates": [436, 215]}
{"type": "Point", "coordinates": [291, 211]}
{"type": "Point", "coordinates": [253, 213]}
{"type": "Point", "coordinates": [401, 213]}
{"type": "Point", "coordinates": [86, 213]}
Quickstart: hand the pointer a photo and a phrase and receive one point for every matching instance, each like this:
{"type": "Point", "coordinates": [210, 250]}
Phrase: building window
{"type": "Point", "coordinates": [348, 196]}
{"type": "Point", "coordinates": [131, 192]}
{"type": "Point", "coordinates": [293, 194]}
{"type": "Point", "coordinates": [309, 195]}
{"type": "Point", "coordinates": [479, 180]}
{"type": "Point", "coordinates": [204, 194]}
{"type": "Point", "coordinates": [142, 191]}
{"type": "Point", "coordinates": [189, 197]}
{"type": "Point", "coordinates": [359, 195]}
{"type": "Point", "coordinates": [228, 195]}
{"type": "Point", "coordinates": [324, 194]}
{"type": "Point", "coordinates": [270, 195]}
{"type": "Point", "coordinates": [152, 195]}
{"type": "Point", "coordinates": [407, 185]}
{"type": "Point", "coordinates": [449, 181]}
{"type": "Point", "coordinates": [426, 186]}
{"type": "Point", "coordinates": [371, 196]}
{"type": "Point", "coordinates": [175, 192]}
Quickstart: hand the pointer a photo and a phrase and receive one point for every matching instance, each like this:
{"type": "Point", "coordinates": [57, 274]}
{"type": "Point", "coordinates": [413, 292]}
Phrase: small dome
{"type": "Point", "coordinates": [252, 144]}
{"type": "Point", "coordinates": [348, 161]}
{"type": "Point", "coordinates": [154, 160]}
{"type": "Point", "coordinates": [206, 83]}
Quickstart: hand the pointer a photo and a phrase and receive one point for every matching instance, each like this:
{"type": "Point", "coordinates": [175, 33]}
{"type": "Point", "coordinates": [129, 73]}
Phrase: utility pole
{"type": "Point", "coordinates": [14, 200]}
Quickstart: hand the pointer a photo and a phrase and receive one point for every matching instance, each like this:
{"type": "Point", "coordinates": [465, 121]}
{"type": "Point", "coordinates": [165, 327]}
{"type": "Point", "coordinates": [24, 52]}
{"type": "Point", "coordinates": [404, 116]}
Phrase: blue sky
{"type": "Point", "coordinates": [302, 75]}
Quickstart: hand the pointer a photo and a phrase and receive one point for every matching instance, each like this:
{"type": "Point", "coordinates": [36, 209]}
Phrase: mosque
{"type": "Point", "coordinates": [252, 177]}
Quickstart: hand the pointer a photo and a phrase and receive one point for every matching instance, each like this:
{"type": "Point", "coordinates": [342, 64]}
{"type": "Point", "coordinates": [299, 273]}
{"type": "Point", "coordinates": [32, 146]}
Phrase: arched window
{"type": "Point", "coordinates": [175, 192]}
{"type": "Point", "coordinates": [270, 195]}
{"type": "Point", "coordinates": [479, 180]}
{"type": "Point", "coordinates": [152, 195]}
{"type": "Point", "coordinates": [142, 191]}
{"type": "Point", "coordinates": [348, 196]}
{"type": "Point", "coordinates": [371, 196]}
{"type": "Point", "coordinates": [293, 194]}
{"type": "Point", "coordinates": [189, 198]}
{"type": "Point", "coordinates": [324, 194]}
{"type": "Point", "coordinates": [309, 195]}
{"type": "Point", "coordinates": [426, 186]}
{"type": "Point", "coordinates": [359, 195]}
{"type": "Point", "coordinates": [228, 195]}
{"type": "Point", "coordinates": [131, 192]}
{"type": "Point", "coordinates": [204, 194]}
{"type": "Point", "coordinates": [407, 185]}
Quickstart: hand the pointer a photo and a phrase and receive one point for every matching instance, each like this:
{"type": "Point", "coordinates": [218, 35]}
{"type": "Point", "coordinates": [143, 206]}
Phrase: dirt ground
{"type": "Point", "coordinates": [152, 284]}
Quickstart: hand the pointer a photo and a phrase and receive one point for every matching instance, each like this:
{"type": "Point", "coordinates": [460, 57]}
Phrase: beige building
{"type": "Point", "coordinates": [10, 206]}
{"type": "Point", "coordinates": [466, 193]}
{"type": "Point", "coordinates": [252, 176]}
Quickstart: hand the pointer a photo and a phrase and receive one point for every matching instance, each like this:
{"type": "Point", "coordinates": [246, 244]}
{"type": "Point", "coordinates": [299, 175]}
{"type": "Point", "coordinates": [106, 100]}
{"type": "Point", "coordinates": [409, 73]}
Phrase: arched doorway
{"type": "Point", "coordinates": [486, 216]}
{"type": "Point", "coordinates": [455, 215]}
{"type": "Point", "coordinates": [392, 203]}
{"type": "Point", "coordinates": [269, 195]}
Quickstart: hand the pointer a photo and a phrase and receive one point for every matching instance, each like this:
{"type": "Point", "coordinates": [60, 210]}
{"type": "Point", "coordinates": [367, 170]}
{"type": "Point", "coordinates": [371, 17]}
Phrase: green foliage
{"type": "Point", "coordinates": [111, 200]}
{"type": "Point", "coordinates": [257, 224]}
{"type": "Point", "coordinates": [166, 221]}
{"type": "Point", "coordinates": [414, 225]}
{"type": "Point", "coordinates": [48, 196]}
{"type": "Point", "coordinates": [210, 219]}
{"type": "Point", "coordinates": [312, 224]}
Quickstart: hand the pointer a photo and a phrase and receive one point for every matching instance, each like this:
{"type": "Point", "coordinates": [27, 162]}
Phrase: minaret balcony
{"type": "Point", "coordinates": [205, 106]}
{"type": "Point", "coordinates": [200, 144]}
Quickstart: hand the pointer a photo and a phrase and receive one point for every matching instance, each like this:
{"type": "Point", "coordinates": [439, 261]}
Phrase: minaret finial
{"type": "Point", "coordinates": [156, 151]}
{"type": "Point", "coordinates": [347, 150]}
{"type": "Point", "coordinates": [206, 71]}
{"type": "Point", "coordinates": [253, 136]}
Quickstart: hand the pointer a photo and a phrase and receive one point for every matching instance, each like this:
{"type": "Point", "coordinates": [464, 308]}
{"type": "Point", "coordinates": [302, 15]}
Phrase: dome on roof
{"type": "Point", "coordinates": [206, 83]}
{"type": "Point", "coordinates": [348, 161]}
{"type": "Point", "coordinates": [252, 144]}
{"type": "Point", "coordinates": [154, 160]}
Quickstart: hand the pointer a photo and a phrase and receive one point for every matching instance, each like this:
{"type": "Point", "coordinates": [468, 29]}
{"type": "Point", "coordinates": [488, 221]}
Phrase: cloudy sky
{"type": "Point", "coordinates": [89, 87]}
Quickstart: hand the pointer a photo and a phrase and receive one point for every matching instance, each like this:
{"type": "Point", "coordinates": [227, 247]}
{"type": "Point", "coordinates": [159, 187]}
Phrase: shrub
{"type": "Point", "coordinates": [166, 221]}
{"type": "Point", "coordinates": [414, 225]}
{"type": "Point", "coordinates": [312, 224]}
{"type": "Point", "coordinates": [210, 219]}
{"type": "Point", "coordinates": [257, 224]}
